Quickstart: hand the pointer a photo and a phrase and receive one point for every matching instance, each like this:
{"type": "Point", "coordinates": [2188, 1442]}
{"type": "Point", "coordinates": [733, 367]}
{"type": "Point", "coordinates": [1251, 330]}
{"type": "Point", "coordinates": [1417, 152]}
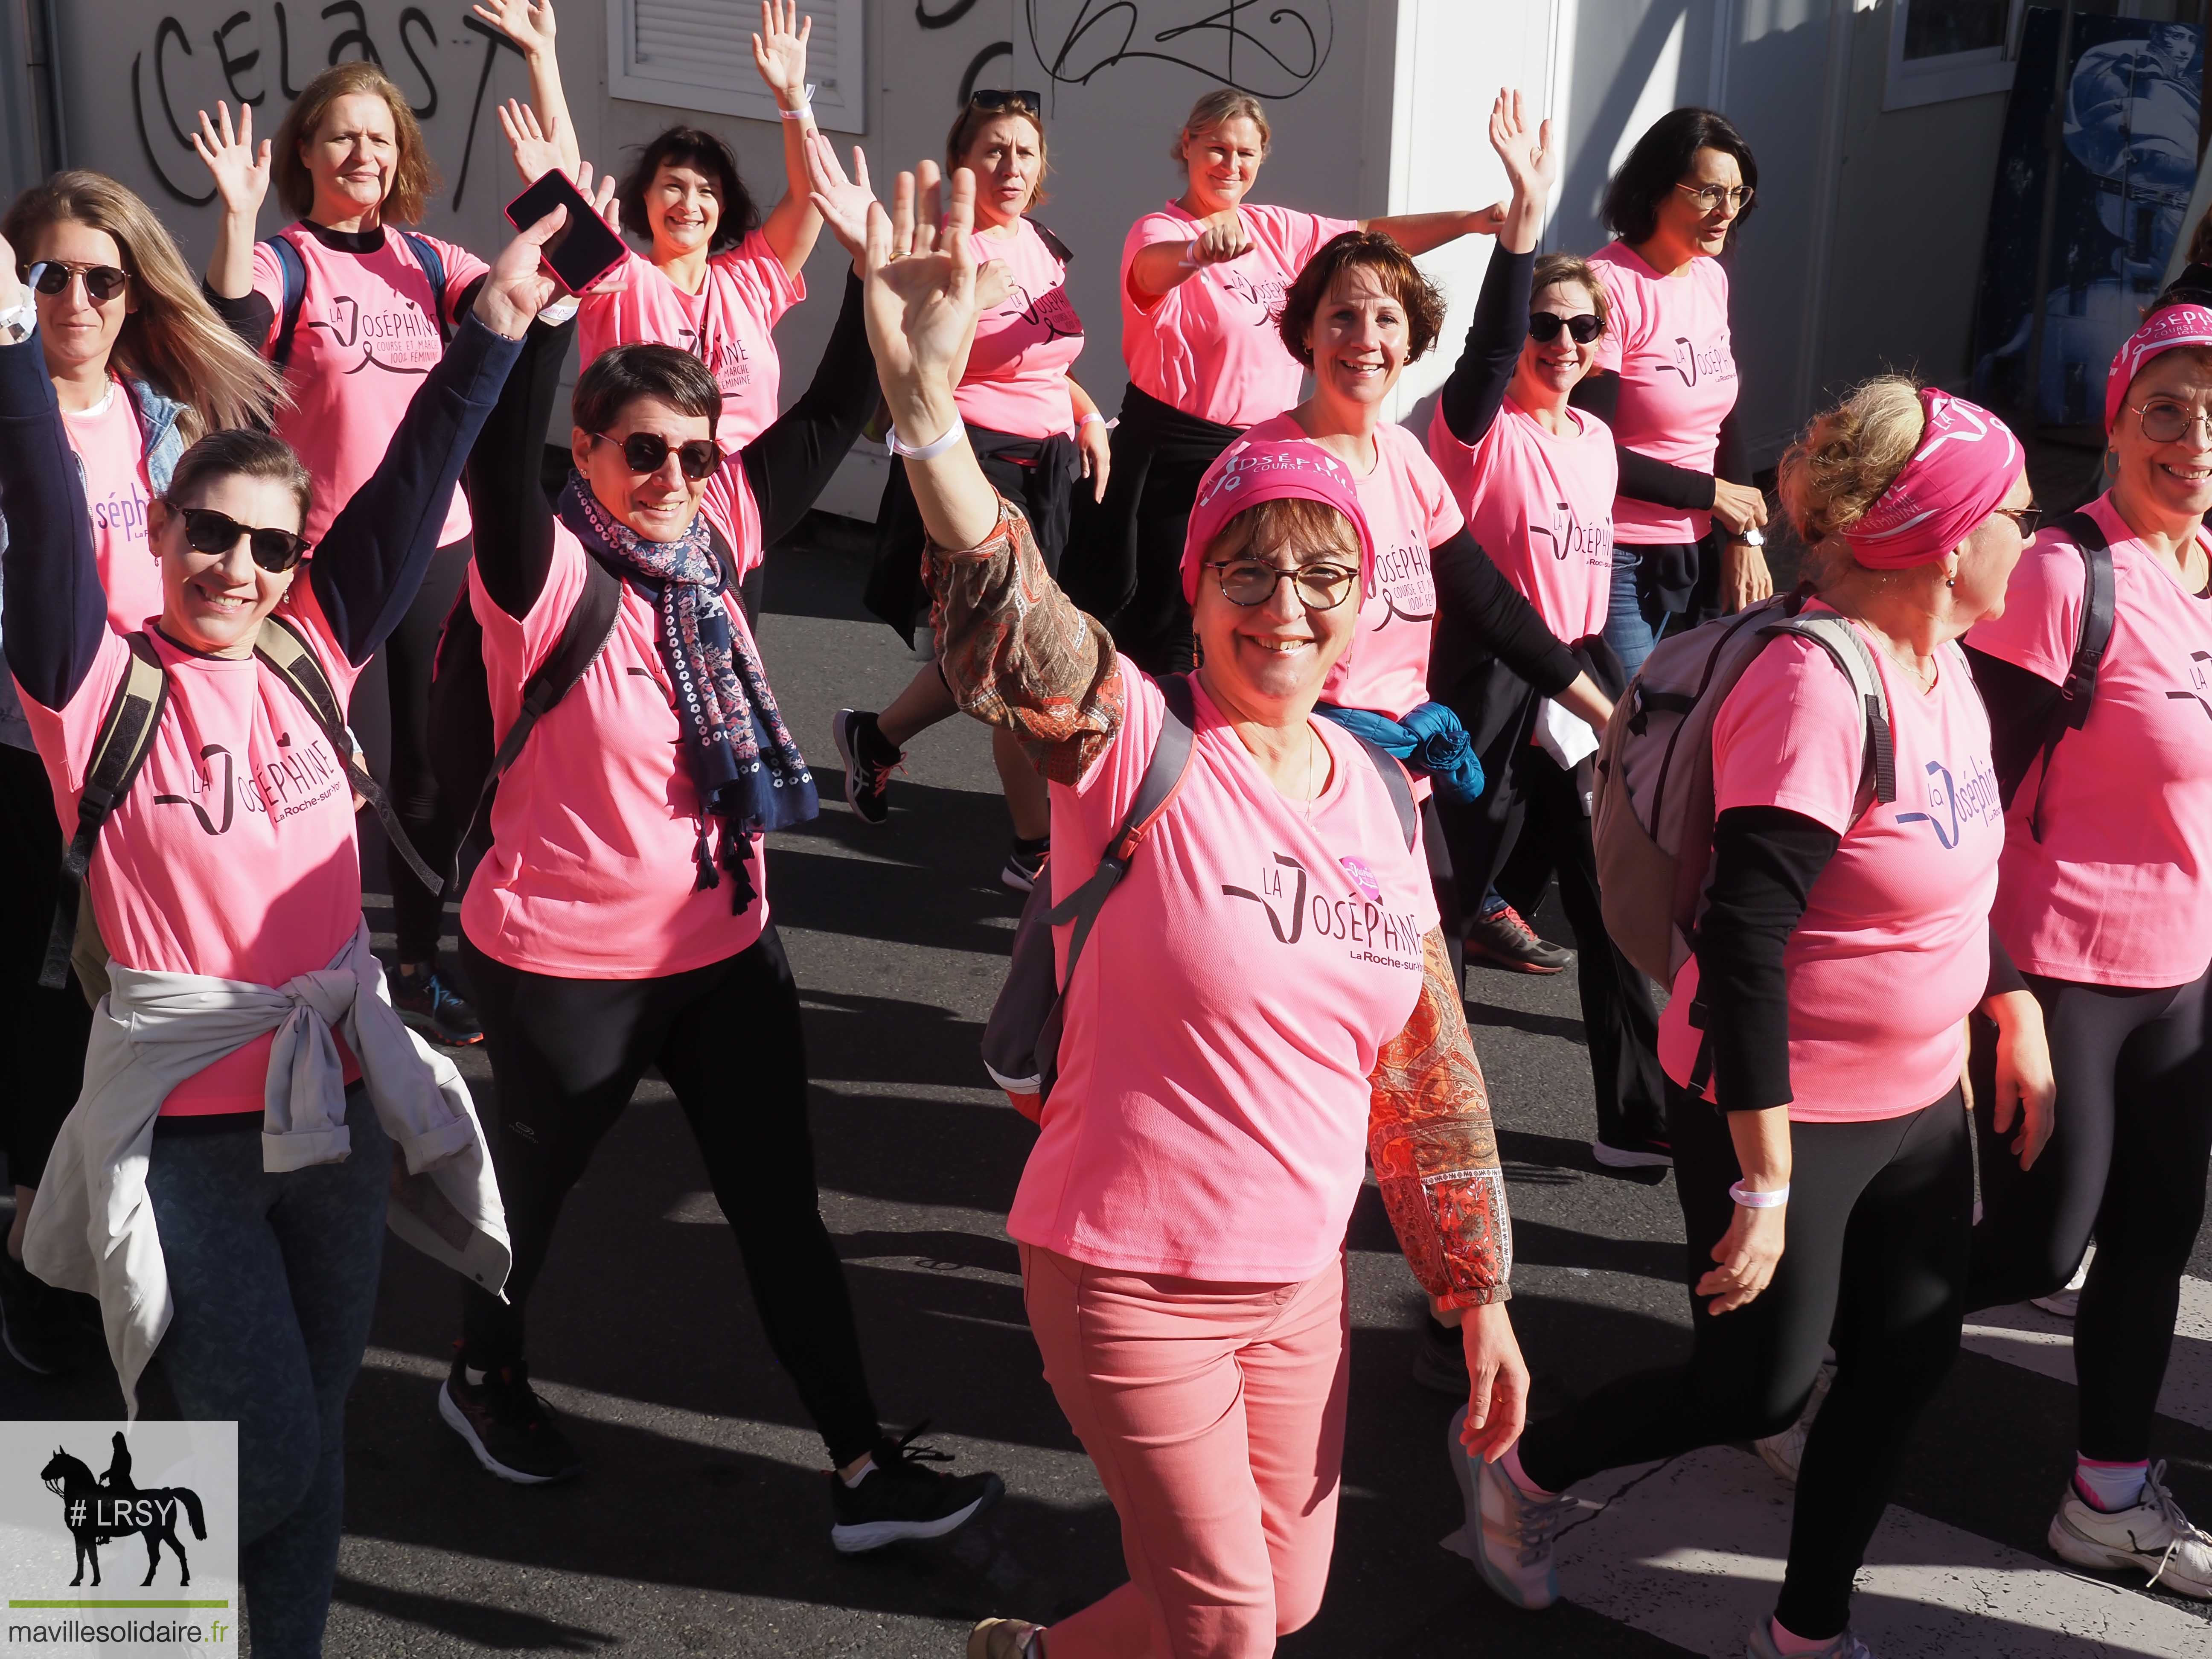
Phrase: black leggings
{"type": "Point", "coordinates": [2127, 1159]}
{"type": "Point", "coordinates": [398, 687]}
{"type": "Point", "coordinates": [42, 1033]}
{"type": "Point", "coordinates": [1875, 1260]}
{"type": "Point", "coordinates": [566, 1055]}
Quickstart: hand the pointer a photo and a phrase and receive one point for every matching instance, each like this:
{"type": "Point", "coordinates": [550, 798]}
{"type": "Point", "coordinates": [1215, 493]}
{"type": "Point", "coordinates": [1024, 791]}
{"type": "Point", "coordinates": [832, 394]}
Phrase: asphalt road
{"type": "Point", "coordinates": [700, 1526]}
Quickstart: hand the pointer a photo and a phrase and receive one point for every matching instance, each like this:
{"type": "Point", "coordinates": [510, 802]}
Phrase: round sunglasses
{"type": "Point", "coordinates": [102, 282]}
{"type": "Point", "coordinates": [1544, 327]}
{"type": "Point", "coordinates": [647, 452]}
{"type": "Point", "coordinates": [207, 531]}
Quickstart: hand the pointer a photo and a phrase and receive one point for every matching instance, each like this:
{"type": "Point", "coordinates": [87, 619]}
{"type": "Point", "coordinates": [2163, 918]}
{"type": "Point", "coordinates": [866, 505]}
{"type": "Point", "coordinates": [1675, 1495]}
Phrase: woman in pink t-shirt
{"type": "Point", "coordinates": [1036, 431]}
{"type": "Point", "coordinates": [1535, 479]}
{"type": "Point", "coordinates": [2105, 900]}
{"type": "Point", "coordinates": [1203, 281]}
{"type": "Point", "coordinates": [1814, 1043]}
{"type": "Point", "coordinates": [354, 308]}
{"type": "Point", "coordinates": [141, 366]}
{"type": "Point", "coordinates": [1263, 1002]}
{"type": "Point", "coordinates": [1666, 383]}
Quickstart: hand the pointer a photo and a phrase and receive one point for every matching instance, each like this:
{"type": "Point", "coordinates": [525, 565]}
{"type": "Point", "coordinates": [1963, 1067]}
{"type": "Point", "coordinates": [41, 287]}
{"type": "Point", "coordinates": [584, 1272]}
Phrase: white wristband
{"type": "Point", "coordinates": [1752, 1200]}
{"type": "Point", "coordinates": [929, 451]}
{"type": "Point", "coordinates": [805, 110]}
{"type": "Point", "coordinates": [1093, 416]}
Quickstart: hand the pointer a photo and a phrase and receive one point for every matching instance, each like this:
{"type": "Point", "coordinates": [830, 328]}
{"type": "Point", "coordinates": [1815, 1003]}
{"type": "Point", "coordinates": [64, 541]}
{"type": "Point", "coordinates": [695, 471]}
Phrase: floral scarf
{"type": "Point", "coordinates": [751, 776]}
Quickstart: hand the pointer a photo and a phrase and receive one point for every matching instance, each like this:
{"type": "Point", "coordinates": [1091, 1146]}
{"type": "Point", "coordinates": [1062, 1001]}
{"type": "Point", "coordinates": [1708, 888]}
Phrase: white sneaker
{"type": "Point", "coordinates": [1511, 1533]}
{"type": "Point", "coordinates": [2154, 1535]}
{"type": "Point", "coordinates": [2065, 1300]}
{"type": "Point", "coordinates": [1759, 1645]}
{"type": "Point", "coordinates": [1784, 1451]}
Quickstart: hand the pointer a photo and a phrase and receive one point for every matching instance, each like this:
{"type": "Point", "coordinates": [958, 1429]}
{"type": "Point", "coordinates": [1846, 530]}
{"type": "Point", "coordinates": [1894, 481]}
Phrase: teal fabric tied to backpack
{"type": "Point", "coordinates": [1429, 739]}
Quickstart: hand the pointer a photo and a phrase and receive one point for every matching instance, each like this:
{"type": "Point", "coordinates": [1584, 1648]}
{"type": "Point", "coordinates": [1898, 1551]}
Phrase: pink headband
{"type": "Point", "coordinates": [1247, 473]}
{"type": "Point", "coordinates": [2162, 331]}
{"type": "Point", "coordinates": [1966, 463]}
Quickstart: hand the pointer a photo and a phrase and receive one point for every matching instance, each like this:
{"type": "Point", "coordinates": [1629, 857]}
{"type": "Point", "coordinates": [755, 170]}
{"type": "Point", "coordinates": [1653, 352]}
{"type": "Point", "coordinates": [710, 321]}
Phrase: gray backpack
{"type": "Point", "coordinates": [1652, 818]}
{"type": "Point", "coordinates": [1021, 1039]}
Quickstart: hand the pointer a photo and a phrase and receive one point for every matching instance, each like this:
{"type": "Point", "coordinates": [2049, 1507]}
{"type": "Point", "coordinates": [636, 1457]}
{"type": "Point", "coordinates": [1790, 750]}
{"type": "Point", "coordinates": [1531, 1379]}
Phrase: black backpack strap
{"type": "Point", "coordinates": [1400, 789]}
{"type": "Point", "coordinates": [2096, 633]}
{"type": "Point", "coordinates": [1053, 244]}
{"type": "Point", "coordinates": [284, 651]}
{"type": "Point", "coordinates": [583, 636]}
{"type": "Point", "coordinates": [292, 271]}
{"type": "Point", "coordinates": [126, 734]}
{"type": "Point", "coordinates": [1163, 775]}
{"type": "Point", "coordinates": [434, 266]}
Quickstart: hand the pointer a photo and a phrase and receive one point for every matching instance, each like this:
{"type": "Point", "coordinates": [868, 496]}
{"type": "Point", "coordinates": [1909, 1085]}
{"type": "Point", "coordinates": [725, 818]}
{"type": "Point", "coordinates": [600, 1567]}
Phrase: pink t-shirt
{"type": "Point", "coordinates": [367, 334]}
{"type": "Point", "coordinates": [1208, 346]}
{"type": "Point", "coordinates": [1668, 340]}
{"type": "Point", "coordinates": [728, 325]}
{"type": "Point", "coordinates": [591, 873]}
{"type": "Point", "coordinates": [1893, 950]}
{"type": "Point", "coordinates": [110, 442]}
{"type": "Point", "coordinates": [1017, 379]}
{"type": "Point", "coordinates": [234, 854]}
{"type": "Point", "coordinates": [1210, 1117]}
{"type": "Point", "coordinates": [1541, 504]}
{"type": "Point", "coordinates": [2118, 891]}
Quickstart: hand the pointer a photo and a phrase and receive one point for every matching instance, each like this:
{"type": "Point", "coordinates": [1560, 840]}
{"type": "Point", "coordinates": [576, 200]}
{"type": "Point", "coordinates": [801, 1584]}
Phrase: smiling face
{"type": "Point", "coordinates": [659, 505]}
{"type": "Point", "coordinates": [353, 157]}
{"type": "Point", "coordinates": [1550, 369]}
{"type": "Point", "coordinates": [78, 333]}
{"type": "Point", "coordinates": [1359, 337]}
{"type": "Point", "coordinates": [683, 208]}
{"type": "Point", "coordinates": [2173, 478]}
{"type": "Point", "coordinates": [1685, 227]}
{"type": "Point", "coordinates": [1222, 163]}
{"type": "Point", "coordinates": [1267, 661]}
{"type": "Point", "coordinates": [214, 602]}
{"type": "Point", "coordinates": [1007, 155]}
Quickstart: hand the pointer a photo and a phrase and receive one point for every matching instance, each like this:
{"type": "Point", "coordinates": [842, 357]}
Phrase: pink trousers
{"type": "Point", "coordinates": [1215, 1416]}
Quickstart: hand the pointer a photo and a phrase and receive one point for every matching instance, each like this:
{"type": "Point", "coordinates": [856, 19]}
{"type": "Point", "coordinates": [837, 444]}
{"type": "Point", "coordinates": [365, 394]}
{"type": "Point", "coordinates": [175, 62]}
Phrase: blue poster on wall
{"type": "Point", "coordinates": [2126, 164]}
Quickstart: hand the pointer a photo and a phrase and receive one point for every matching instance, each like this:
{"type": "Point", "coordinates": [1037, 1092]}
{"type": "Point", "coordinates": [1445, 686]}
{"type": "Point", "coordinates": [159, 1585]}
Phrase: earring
{"type": "Point", "coordinates": [1950, 582]}
{"type": "Point", "coordinates": [2110, 467]}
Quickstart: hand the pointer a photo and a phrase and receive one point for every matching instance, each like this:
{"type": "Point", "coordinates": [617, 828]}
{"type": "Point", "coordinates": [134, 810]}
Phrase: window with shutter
{"type": "Point", "coordinates": [698, 54]}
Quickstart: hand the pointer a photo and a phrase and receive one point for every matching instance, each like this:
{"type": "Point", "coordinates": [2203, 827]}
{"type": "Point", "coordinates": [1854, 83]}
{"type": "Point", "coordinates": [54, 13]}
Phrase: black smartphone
{"type": "Point", "coordinates": [583, 250]}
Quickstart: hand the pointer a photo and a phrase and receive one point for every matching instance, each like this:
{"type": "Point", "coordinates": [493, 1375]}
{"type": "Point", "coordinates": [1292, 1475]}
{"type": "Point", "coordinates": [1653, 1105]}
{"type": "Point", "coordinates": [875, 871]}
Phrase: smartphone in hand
{"type": "Point", "coordinates": [584, 249]}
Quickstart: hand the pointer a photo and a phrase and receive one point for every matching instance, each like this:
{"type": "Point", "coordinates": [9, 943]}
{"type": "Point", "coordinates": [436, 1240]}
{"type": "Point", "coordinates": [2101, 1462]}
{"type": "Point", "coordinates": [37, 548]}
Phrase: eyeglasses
{"type": "Point", "coordinates": [207, 531]}
{"type": "Point", "coordinates": [2163, 422]}
{"type": "Point", "coordinates": [1544, 327]}
{"type": "Point", "coordinates": [102, 282]}
{"type": "Point", "coordinates": [647, 452]}
{"type": "Point", "coordinates": [1711, 198]}
{"type": "Point", "coordinates": [1252, 581]}
{"type": "Point", "coordinates": [2028, 519]}
{"type": "Point", "coordinates": [998, 98]}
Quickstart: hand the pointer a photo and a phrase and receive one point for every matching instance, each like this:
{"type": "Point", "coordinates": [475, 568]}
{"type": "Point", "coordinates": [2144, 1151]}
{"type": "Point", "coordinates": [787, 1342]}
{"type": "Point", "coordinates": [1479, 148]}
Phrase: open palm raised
{"type": "Point", "coordinates": [920, 282]}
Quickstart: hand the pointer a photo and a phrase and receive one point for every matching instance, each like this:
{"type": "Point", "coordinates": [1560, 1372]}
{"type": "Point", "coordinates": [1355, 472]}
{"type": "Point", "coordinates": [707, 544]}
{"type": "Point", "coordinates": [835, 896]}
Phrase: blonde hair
{"type": "Point", "coordinates": [173, 341]}
{"type": "Point", "coordinates": [1216, 110]}
{"type": "Point", "coordinates": [413, 180]}
{"type": "Point", "coordinates": [1849, 455]}
{"type": "Point", "coordinates": [1553, 269]}
{"type": "Point", "coordinates": [972, 116]}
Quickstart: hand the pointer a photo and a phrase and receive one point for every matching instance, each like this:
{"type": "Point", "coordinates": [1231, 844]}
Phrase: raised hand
{"type": "Point", "coordinates": [1222, 239]}
{"type": "Point", "coordinates": [13, 293]}
{"type": "Point", "coordinates": [536, 149]}
{"type": "Point", "coordinates": [842, 202]}
{"type": "Point", "coordinates": [520, 286]}
{"type": "Point", "coordinates": [240, 171]}
{"type": "Point", "coordinates": [1531, 162]}
{"type": "Point", "coordinates": [921, 293]}
{"type": "Point", "coordinates": [528, 23]}
{"type": "Point", "coordinates": [779, 50]}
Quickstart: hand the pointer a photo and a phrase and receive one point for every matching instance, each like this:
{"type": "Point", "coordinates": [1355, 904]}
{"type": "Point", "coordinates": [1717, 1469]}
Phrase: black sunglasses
{"type": "Point", "coordinates": [102, 282]}
{"type": "Point", "coordinates": [646, 452]}
{"type": "Point", "coordinates": [2028, 519]}
{"type": "Point", "coordinates": [998, 98]}
{"type": "Point", "coordinates": [207, 531]}
{"type": "Point", "coordinates": [1544, 327]}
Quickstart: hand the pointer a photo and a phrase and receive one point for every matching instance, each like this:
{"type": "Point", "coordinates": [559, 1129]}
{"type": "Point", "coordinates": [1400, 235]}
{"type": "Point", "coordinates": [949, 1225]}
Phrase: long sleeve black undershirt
{"type": "Point", "coordinates": [786, 467]}
{"type": "Point", "coordinates": [1478, 608]}
{"type": "Point", "coordinates": [1644, 479]}
{"type": "Point", "coordinates": [1476, 390]}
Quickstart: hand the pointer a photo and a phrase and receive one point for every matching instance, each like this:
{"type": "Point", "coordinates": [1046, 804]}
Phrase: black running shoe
{"type": "Point", "coordinates": [1502, 938]}
{"type": "Point", "coordinates": [1024, 865]}
{"type": "Point", "coordinates": [507, 1426]}
{"type": "Point", "coordinates": [431, 1006]}
{"type": "Point", "coordinates": [860, 744]}
{"type": "Point", "coordinates": [901, 1498]}
{"type": "Point", "coordinates": [37, 1323]}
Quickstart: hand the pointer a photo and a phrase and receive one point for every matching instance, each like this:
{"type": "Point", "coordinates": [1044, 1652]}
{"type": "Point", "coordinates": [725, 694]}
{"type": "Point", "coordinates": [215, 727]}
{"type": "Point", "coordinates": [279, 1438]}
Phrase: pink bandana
{"type": "Point", "coordinates": [2162, 331]}
{"type": "Point", "coordinates": [1966, 463]}
{"type": "Point", "coordinates": [1247, 474]}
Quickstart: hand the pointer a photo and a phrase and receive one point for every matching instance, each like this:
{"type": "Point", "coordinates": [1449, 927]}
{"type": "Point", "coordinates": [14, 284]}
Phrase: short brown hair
{"type": "Point", "coordinates": [240, 452]}
{"type": "Point", "coordinates": [1296, 522]}
{"type": "Point", "coordinates": [1553, 269]}
{"type": "Point", "coordinates": [1372, 250]}
{"type": "Point", "coordinates": [414, 181]}
{"type": "Point", "coordinates": [1217, 109]}
{"type": "Point", "coordinates": [617, 377]}
{"type": "Point", "coordinates": [972, 115]}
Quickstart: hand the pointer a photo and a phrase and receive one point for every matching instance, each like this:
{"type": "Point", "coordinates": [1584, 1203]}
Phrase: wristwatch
{"type": "Point", "coordinates": [17, 322]}
{"type": "Point", "coordinates": [1750, 537]}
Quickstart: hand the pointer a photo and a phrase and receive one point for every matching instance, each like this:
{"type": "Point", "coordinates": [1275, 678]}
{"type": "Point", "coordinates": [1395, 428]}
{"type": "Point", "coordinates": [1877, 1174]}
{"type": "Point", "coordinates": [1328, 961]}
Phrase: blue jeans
{"type": "Point", "coordinates": [274, 1277]}
{"type": "Point", "coordinates": [1633, 621]}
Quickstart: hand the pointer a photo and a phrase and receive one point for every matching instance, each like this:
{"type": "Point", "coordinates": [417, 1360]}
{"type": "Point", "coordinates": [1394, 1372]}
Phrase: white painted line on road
{"type": "Point", "coordinates": [2025, 1336]}
{"type": "Point", "coordinates": [1691, 1552]}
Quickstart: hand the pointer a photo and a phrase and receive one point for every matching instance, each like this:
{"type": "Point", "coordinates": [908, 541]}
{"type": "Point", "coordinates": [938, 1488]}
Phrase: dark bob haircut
{"type": "Point", "coordinates": [240, 452]}
{"type": "Point", "coordinates": [693, 147]}
{"type": "Point", "coordinates": [1401, 277]}
{"type": "Point", "coordinates": [618, 377]}
{"type": "Point", "coordinates": [1661, 157]}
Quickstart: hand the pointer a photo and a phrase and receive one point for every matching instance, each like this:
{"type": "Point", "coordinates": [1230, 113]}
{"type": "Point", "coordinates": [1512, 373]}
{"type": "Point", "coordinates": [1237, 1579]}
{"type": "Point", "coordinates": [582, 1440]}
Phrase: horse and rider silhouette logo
{"type": "Point", "coordinates": [99, 1511]}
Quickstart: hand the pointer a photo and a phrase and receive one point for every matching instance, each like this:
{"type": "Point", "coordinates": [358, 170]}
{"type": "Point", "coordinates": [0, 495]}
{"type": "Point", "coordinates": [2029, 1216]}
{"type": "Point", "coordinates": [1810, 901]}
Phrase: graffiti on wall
{"type": "Point", "coordinates": [1270, 48]}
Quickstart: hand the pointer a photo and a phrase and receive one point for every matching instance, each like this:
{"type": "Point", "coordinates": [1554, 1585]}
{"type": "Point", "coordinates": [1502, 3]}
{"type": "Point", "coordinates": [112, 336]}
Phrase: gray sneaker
{"type": "Point", "coordinates": [1510, 1533]}
{"type": "Point", "coordinates": [1759, 1645]}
